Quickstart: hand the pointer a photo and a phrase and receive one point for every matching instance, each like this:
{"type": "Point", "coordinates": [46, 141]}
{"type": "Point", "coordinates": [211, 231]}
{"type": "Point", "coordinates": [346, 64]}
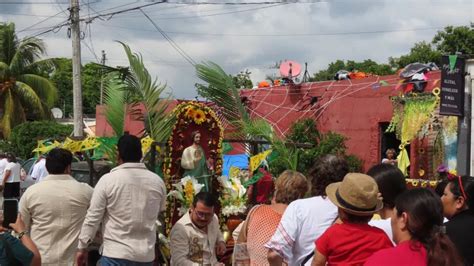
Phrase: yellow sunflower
{"type": "Point", "coordinates": [199, 117]}
{"type": "Point", "coordinates": [190, 112]}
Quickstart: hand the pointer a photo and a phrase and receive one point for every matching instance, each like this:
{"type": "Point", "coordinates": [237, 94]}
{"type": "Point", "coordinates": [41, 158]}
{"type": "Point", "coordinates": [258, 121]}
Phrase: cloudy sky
{"type": "Point", "coordinates": [239, 37]}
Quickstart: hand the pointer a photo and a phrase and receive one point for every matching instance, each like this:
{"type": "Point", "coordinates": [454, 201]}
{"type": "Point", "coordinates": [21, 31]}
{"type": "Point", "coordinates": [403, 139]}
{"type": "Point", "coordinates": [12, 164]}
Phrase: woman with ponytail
{"type": "Point", "coordinates": [417, 229]}
{"type": "Point", "coordinates": [458, 207]}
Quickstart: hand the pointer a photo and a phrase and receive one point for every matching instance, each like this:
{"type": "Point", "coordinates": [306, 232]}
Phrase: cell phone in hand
{"type": "Point", "coordinates": [10, 212]}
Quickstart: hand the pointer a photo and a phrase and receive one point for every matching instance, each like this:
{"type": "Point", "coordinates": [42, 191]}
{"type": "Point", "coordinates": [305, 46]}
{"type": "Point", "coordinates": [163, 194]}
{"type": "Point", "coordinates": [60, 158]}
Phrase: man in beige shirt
{"type": "Point", "coordinates": [196, 238]}
{"type": "Point", "coordinates": [54, 210]}
{"type": "Point", "coordinates": [127, 201]}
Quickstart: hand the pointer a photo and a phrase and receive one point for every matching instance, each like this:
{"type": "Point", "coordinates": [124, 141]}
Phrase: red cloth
{"type": "Point", "coordinates": [264, 187]}
{"type": "Point", "coordinates": [351, 244]}
{"type": "Point", "coordinates": [406, 253]}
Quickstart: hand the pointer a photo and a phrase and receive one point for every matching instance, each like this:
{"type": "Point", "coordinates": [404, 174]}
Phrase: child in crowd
{"type": "Point", "coordinates": [390, 157]}
{"type": "Point", "coordinates": [351, 240]}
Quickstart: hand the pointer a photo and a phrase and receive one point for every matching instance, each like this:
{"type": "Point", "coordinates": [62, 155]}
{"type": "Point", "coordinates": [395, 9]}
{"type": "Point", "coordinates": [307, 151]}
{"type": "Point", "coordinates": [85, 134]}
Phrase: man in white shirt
{"type": "Point", "coordinates": [39, 171]}
{"type": "Point", "coordinates": [3, 163]}
{"type": "Point", "coordinates": [54, 210]}
{"type": "Point", "coordinates": [11, 178]}
{"type": "Point", "coordinates": [304, 220]}
{"type": "Point", "coordinates": [127, 202]}
{"type": "Point", "coordinates": [196, 238]}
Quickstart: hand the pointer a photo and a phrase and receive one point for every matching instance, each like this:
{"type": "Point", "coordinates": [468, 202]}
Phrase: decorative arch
{"type": "Point", "coordinates": [191, 116]}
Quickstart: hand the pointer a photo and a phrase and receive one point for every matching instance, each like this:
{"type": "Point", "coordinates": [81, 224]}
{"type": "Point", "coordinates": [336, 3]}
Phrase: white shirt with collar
{"type": "Point", "coordinates": [127, 201]}
{"type": "Point", "coordinates": [191, 246]}
{"type": "Point", "coordinates": [3, 165]}
{"type": "Point", "coordinates": [39, 171]}
{"type": "Point", "coordinates": [53, 212]}
{"type": "Point", "coordinates": [15, 172]}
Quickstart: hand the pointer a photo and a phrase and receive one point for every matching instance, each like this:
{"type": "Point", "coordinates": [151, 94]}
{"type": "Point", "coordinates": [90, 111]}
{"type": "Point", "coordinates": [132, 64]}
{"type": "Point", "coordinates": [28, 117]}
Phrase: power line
{"type": "Point", "coordinates": [28, 3]}
{"type": "Point", "coordinates": [280, 34]}
{"type": "Point", "coordinates": [221, 13]}
{"type": "Point", "coordinates": [41, 21]}
{"type": "Point", "coordinates": [170, 41]}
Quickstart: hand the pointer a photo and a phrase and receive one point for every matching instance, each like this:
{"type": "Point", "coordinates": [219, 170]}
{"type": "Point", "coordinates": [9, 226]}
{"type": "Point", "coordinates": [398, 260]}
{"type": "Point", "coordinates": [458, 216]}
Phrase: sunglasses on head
{"type": "Point", "coordinates": [452, 177]}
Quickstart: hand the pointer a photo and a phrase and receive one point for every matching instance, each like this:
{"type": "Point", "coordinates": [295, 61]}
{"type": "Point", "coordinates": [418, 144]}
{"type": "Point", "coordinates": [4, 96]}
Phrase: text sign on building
{"type": "Point", "coordinates": [452, 85]}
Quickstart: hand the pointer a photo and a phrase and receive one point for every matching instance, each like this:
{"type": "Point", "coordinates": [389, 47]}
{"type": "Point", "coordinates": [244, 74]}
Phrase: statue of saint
{"type": "Point", "coordinates": [194, 161]}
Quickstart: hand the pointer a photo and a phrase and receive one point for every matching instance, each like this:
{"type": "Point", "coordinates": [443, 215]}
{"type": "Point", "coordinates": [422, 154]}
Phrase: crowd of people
{"type": "Point", "coordinates": [329, 217]}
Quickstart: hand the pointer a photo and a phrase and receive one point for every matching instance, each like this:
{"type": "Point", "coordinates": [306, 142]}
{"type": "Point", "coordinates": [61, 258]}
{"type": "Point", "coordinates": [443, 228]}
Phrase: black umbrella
{"type": "Point", "coordinates": [412, 69]}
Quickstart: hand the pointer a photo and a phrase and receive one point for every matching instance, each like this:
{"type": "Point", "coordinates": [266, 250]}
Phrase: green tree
{"type": "Point", "coordinates": [61, 76]}
{"type": "Point", "coordinates": [24, 138]}
{"type": "Point", "coordinates": [91, 77]}
{"type": "Point", "coordinates": [455, 39]}
{"type": "Point", "coordinates": [305, 131]}
{"type": "Point", "coordinates": [24, 94]}
{"type": "Point", "coordinates": [368, 66]}
{"type": "Point", "coordinates": [242, 80]}
{"type": "Point", "coordinates": [421, 52]}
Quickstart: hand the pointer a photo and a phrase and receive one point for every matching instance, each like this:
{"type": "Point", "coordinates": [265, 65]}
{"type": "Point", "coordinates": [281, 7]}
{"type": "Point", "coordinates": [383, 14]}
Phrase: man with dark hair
{"type": "Point", "coordinates": [196, 238]}
{"type": "Point", "coordinates": [54, 210]}
{"type": "Point", "coordinates": [127, 201]}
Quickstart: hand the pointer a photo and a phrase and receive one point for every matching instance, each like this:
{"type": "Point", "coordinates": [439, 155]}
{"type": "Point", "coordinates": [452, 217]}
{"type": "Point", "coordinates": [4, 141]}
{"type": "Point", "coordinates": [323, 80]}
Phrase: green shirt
{"type": "Point", "coordinates": [16, 250]}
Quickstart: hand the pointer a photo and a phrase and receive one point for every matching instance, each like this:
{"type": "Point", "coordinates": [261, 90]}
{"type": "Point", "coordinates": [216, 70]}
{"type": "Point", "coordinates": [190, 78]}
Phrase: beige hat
{"type": "Point", "coordinates": [357, 194]}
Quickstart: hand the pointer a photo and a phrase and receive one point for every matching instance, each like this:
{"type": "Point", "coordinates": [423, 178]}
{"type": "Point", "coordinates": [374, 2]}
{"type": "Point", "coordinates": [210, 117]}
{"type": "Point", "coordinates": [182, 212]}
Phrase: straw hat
{"type": "Point", "coordinates": [356, 194]}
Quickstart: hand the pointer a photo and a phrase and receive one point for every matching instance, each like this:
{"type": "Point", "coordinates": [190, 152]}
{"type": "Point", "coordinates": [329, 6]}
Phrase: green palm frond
{"type": "Point", "coordinates": [37, 66]}
{"type": "Point", "coordinates": [222, 92]}
{"type": "Point", "coordinates": [26, 94]}
{"type": "Point", "coordinates": [115, 105]}
{"type": "Point", "coordinates": [150, 94]}
{"type": "Point", "coordinates": [4, 71]}
{"type": "Point", "coordinates": [28, 51]}
{"type": "Point", "coordinates": [8, 42]}
{"type": "Point", "coordinates": [259, 128]}
{"type": "Point", "coordinates": [8, 114]}
{"type": "Point", "coordinates": [44, 88]}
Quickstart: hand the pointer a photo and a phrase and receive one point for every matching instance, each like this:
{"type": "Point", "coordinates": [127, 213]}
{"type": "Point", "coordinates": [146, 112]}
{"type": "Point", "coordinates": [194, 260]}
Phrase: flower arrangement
{"type": "Point", "coordinates": [195, 114]}
{"type": "Point", "coordinates": [233, 197]}
{"type": "Point", "coordinates": [184, 192]}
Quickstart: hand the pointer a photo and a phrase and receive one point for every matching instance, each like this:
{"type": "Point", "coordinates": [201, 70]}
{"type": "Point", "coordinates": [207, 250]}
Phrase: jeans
{"type": "Point", "coordinates": [106, 261]}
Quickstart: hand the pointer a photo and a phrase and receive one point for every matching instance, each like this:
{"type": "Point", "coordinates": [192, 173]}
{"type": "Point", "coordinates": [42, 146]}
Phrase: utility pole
{"type": "Point", "coordinates": [76, 69]}
{"type": "Point", "coordinates": [102, 61]}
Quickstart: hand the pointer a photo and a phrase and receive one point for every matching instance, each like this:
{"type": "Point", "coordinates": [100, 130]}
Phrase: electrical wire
{"type": "Point", "coordinates": [170, 41]}
{"type": "Point", "coordinates": [41, 21]}
{"type": "Point", "coordinates": [280, 34]}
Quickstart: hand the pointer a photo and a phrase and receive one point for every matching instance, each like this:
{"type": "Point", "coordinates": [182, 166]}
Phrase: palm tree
{"type": "Point", "coordinates": [23, 93]}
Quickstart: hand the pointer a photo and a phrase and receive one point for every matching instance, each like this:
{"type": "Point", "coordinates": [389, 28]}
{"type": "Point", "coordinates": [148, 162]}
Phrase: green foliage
{"type": "Point", "coordinates": [91, 77]}
{"type": "Point", "coordinates": [221, 90]}
{"type": "Point", "coordinates": [61, 76]}
{"type": "Point", "coordinates": [367, 66]}
{"type": "Point", "coordinates": [24, 137]}
{"type": "Point", "coordinates": [240, 81]}
{"type": "Point", "coordinates": [305, 132]}
{"type": "Point", "coordinates": [455, 39]}
{"type": "Point", "coordinates": [149, 92]}
{"type": "Point", "coordinates": [115, 104]}
{"type": "Point", "coordinates": [24, 93]}
{"type": "Point", "coordinates": [422, 52]}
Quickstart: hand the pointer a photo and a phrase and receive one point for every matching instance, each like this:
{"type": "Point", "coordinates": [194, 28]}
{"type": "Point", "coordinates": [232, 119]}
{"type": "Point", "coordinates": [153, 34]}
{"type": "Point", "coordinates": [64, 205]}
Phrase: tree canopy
{"type": "Point", "coordinates": [450, 40]}
{"type": "Point", "coordinates": [24, 94]}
